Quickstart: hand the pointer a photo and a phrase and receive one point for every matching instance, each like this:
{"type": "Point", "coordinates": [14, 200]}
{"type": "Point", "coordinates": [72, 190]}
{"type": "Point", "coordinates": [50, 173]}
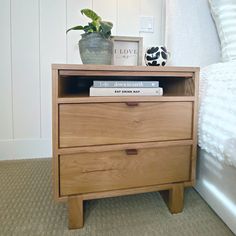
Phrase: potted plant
{"type": "Point", "coordinates": [96, 46]}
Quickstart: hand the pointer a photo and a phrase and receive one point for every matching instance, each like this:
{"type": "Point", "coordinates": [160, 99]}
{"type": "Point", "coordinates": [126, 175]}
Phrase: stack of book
{"type": "Point", "coordinates": [125, 88]}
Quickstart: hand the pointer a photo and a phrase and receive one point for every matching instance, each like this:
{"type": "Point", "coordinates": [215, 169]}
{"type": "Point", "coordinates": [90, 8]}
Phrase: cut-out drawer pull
{"type": "Point", "coordinates": [132, 104]}
{"type": "Point", "coordinates": [131, 151]}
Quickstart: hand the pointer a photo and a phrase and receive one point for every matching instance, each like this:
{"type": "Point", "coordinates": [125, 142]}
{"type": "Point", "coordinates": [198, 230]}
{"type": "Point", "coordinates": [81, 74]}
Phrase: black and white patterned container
{"type": "Point", "coordinates": [156, 56]}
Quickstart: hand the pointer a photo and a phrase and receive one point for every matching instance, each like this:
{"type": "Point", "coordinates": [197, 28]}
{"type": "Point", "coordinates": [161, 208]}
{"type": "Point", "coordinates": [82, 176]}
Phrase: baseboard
{"type": "Point", "coordinates": [25, 149]}
{"type": "Point", "coordinates": [219, 202]}
{"type": "Point", "coordinates": [216, 184]}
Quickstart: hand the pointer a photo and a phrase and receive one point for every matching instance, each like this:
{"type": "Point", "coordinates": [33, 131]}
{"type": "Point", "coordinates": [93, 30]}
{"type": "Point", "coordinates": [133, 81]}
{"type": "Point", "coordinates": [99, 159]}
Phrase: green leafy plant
{"type": "Point", "coordinates": [97, 24]}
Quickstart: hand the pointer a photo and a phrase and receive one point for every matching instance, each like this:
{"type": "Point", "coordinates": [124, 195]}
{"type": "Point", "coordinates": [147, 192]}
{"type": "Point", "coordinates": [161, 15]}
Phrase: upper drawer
{"type": "Point", "coordinates": [114, 123]}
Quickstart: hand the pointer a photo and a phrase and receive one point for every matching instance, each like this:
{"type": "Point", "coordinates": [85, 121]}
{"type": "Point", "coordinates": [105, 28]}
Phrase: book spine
{"type": "Point", "coordinates": [126, 91]}
{"type": "Point", "coordinates": [125, 84]}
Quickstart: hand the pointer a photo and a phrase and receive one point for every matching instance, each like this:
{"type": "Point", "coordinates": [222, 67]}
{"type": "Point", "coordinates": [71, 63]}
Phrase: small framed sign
{"type": "Point", "coordinates": [128, 51]}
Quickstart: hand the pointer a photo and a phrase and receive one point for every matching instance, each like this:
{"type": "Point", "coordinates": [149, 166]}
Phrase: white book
{"type": "Point", "coordinates": [125, 84]}
{"type": "Point", "coordinates": [125, 92]}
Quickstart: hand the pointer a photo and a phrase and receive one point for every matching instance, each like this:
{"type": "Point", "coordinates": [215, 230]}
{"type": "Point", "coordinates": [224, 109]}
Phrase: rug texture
{"type": "Point", "coordinates": [27, 208]}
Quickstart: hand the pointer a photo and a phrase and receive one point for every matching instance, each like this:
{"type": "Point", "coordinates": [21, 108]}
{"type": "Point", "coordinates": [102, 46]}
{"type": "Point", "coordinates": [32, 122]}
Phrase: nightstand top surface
{"type": "Point", "coordinates": [123, 68]}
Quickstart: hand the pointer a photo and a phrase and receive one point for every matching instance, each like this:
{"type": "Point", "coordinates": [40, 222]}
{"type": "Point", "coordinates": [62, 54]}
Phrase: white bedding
{"type": "Point", "coordinates": [217, 111]}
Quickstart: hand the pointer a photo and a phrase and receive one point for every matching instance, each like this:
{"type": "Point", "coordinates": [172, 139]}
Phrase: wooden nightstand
{"type": "Point", "coordinates": [112, 146]}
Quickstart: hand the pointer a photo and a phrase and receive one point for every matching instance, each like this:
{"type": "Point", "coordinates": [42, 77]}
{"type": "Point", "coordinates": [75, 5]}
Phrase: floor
{"type": "Point", "coordinates": [27, 208]}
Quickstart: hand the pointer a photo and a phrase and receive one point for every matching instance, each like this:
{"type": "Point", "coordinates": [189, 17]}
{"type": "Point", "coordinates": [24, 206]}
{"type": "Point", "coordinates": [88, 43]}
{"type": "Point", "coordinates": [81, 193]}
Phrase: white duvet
{"type": "Point", "coordinates": [217, 111]}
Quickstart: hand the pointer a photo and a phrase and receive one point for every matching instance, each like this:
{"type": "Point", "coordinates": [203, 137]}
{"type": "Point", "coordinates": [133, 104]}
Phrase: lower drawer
{"type": "Point", "coordinates": [94, 172]}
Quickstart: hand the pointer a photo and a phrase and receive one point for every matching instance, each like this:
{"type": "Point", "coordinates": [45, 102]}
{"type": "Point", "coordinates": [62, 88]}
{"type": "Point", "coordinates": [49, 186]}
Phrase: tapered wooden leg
{"type": "Point", "coordinates": [75, 212]}
{"type": "Point", "coordinates": [174, 198]}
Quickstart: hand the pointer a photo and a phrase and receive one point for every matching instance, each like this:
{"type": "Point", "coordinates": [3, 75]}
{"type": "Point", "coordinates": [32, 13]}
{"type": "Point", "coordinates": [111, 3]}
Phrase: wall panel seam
{"type": "Point", "coordinates": [40, 73]}
{"type": "Point", "coordinates": [163, 22]}
{"type": "Point", "coordinates": [139, 9]}
{"type": "Point", "coordinates": [66, 3]}
{"type": "Point", "coordinates": [116, 16]}
{"type": "Point", "coordinates": [11, 63]}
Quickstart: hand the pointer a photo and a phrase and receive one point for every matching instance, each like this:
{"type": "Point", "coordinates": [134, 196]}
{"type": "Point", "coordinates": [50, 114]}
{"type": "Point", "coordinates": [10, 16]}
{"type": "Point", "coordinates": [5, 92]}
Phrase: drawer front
{"type": "Point", "coordinates": [94, 172]}
{"type": "Point", "coordinates": [115, 123]}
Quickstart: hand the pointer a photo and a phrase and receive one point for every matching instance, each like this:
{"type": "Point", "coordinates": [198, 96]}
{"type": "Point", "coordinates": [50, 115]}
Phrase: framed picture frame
{"type": "Point", "coordinates": [128, 51]}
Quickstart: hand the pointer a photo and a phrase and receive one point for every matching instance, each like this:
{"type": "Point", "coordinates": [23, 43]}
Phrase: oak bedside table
{"type": "Point", "coordinates": [113, 146]}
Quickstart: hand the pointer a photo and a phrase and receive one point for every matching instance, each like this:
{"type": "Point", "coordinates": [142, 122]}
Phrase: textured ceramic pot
{"type": "Point", "coordinates": [156, 56]}
{"type": "Point", "coordinates": [95, 49]}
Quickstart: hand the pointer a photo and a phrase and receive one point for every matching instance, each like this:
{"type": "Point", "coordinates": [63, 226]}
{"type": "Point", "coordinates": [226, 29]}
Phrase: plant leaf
{"type": "Point", "coordinates": [107, 35]}
{"type": "Point", "coordinates": [92, 26]}
{"type": "Point", "coordinates": [78, 27]}
{"type": "Point", "coordinates": [90, 14]}
{"type": "Point", "coordinates": [106, 26]}
{"type": "Point", "coordinates": [86, 28]}
{"type": "Point", "coordinates": [96, 25]}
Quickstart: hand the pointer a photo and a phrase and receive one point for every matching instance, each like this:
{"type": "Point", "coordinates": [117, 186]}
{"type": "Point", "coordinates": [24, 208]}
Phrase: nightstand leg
{"type": "Point", "coordinates": [174, 198]}
{"type": "Point", "coordinates": [75, 212]}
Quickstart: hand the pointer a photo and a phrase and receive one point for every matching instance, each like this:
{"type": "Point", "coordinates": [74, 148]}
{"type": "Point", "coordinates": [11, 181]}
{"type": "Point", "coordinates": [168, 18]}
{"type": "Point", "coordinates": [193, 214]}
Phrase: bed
{"type": "Point", "coordinates": [192, 39]}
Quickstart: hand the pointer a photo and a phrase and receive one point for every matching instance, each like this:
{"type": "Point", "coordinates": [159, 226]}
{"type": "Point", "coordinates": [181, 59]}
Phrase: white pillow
{"type": "Point", "coordinates": [224, 14]}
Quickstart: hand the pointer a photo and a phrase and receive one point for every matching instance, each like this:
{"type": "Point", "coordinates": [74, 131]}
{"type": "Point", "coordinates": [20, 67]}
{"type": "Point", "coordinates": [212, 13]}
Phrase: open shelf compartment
{"type": "Point", "coordinates": [78, 86]}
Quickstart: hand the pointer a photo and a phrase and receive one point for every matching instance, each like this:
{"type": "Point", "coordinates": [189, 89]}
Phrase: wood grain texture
{"type": "Point", "coordinates": [75, 212]}
{"type": "Point", "coordinates": [124, 192]}
{"type": "Point", "coordinates": [86, 172]}
{"type": "Point", "coordinates": [86, 99]}
{"type": "Point", "coordinates": [109, 148]}
{"type": "Point", "coordinates": [176, 198]}
{"type": "Point", "coordinates": [118, 147]}
{"type": "Point", "coordinates": [55, 161]}
{"type": "Point", "coordinates": [136, 74]}
{"type": "Point", "coordinates": [195, 128]}
{"type": "Point", "coordinates": [179, 87]}
{"type": "Point", "coordinates": [114, 123]}
{"type": "Point", "coordinates": [168, 69]}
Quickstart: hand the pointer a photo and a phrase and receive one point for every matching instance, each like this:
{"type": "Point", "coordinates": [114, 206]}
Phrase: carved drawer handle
{"type": "Point", "coordinates": [131, 151]}
{"type": "Point", "coordinates": [132, 104]}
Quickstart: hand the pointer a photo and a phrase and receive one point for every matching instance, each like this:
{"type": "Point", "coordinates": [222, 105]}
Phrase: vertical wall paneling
{"type": "Point", "coordinates": [163, 24]}
{"type": "Point", "coordinates": [52, 50]}
{"type": "Point", "coordinates": [74, 17]}
{"type": "Point", "coordinates": [107, 10]}
{"type": "Point", "coordinates": [152, 8]}
{"type": "Point", "coordinates": [25, 68]}
{"type": "Point", "coordinates": [33, 36]}
{"type": "Point", "coordinates": [5, 68]}
{"type": "Point", "coordinates": [128, 17]}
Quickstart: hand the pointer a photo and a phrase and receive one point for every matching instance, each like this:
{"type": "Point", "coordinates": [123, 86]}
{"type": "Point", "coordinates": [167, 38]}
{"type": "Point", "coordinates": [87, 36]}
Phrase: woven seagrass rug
{"type": "Point", "coordinates": [27, 208]}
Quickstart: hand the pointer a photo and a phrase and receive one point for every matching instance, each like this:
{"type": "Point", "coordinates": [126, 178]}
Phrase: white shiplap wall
{"type": "Point", "coordinates": [32, 37]}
